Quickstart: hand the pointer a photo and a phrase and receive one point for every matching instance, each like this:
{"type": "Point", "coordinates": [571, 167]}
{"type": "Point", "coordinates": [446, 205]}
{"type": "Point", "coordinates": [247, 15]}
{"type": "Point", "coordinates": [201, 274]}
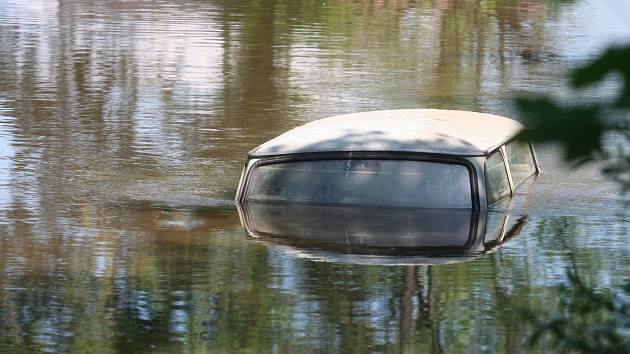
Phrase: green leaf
{"type": "Point", "coordinates": [579, 129]}
{"type": "Point", "coordinates": [614, 60]}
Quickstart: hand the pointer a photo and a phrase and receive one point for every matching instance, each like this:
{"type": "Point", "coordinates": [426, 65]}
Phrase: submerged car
{"type": "Point", "coordinates": [413, 158]}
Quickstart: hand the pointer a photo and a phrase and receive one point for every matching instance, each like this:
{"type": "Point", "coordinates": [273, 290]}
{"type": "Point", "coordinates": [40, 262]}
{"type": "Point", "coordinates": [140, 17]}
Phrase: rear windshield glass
{"type": "Point", "coordinates": [363, 182]}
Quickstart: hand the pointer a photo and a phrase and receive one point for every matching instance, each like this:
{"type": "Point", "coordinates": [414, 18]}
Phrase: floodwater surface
{"type": "Point", "coordinates": [124, 126]}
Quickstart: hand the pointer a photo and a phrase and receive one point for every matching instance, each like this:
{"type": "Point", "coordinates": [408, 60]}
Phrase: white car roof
{"type": "Point", "coordinates": [407, 130]}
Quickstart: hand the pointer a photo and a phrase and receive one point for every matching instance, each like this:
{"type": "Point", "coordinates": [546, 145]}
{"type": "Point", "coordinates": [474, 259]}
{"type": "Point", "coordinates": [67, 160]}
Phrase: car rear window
{"type": "Point", "coordinates": [369, 182]}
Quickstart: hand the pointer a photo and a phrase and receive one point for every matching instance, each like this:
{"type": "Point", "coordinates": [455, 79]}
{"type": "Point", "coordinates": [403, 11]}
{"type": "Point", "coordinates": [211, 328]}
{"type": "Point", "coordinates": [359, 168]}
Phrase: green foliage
{"type": "Point", "coordinates": [587, 321]}
{"type": "Point", "coordinates": [578, 128]}
{"type": "Point", "coordinates": [615, 60]}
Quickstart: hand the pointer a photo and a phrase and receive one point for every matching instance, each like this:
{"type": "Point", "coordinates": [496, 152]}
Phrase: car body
{"type": "Point", "coordinates": [417, 158]}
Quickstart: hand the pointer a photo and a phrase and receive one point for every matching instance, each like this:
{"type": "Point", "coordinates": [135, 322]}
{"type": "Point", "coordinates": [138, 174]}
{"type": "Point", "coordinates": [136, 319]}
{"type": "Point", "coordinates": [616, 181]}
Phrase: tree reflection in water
{"type": "Point", "coordinates": [123, 128]}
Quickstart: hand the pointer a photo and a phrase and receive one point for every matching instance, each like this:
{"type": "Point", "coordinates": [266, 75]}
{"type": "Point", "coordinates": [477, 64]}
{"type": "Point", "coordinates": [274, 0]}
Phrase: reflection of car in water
{"type": "Point", "coordinates": [378, 235]}
{"type": "Point", "coordinates": [430, 177]}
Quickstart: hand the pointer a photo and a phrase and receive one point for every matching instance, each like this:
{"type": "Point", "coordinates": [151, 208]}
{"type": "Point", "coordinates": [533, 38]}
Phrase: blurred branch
{"type": "Point", "coordinates": [580, 128]}
{"type": "Point", "coordinates": [587, 320]}
{"type": "Point", "coordinates": [614, 60]}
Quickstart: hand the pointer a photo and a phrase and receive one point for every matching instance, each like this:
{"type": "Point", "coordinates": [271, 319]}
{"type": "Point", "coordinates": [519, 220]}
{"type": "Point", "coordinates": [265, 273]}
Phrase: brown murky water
{"type": "Point", "coordinates": [124, 126]}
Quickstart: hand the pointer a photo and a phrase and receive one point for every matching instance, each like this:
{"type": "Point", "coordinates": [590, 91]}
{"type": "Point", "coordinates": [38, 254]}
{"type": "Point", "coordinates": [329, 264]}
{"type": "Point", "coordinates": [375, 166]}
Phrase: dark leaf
{"type": "Point", "coordinates": [579, 129]}
{"type": "Point", "coordinates": [614, 60]}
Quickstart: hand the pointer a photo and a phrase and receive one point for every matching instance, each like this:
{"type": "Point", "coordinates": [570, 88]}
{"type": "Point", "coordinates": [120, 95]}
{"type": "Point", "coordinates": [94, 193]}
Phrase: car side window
{"type": "Point", "coordinates": [520, 160]}
{"type": "Point", "coordinates": [497, 183]}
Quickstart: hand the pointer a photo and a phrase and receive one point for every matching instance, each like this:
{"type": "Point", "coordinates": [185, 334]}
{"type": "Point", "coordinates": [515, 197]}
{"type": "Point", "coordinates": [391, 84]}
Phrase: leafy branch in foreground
{"type": "Point", "coordinates": [581, 127]}
{"type": "Point", "coordinates": [587, 321]}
